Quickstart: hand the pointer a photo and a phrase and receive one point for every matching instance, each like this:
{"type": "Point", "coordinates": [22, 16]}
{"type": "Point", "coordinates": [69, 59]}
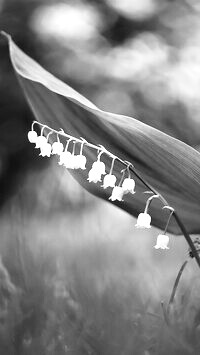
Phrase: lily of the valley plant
{"type": "Point", "coordinates": [70, 160]}
{"type": "Point", "coordinates": [165, 166]}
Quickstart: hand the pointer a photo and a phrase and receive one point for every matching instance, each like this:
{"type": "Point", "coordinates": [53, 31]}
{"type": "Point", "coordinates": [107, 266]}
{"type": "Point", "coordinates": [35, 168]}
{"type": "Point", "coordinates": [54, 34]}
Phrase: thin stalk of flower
{"type": "Point", "coordinates": [123, 171]}
{"type": "Point", "coordinates": [112, 166]}
{"type": "Point", "coordinates": [170, 215]}
{"type": "Point", "coordinates": [149, 202]}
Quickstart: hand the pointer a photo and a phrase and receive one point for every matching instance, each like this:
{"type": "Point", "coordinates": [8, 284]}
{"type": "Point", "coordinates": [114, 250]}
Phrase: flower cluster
{"type": "Point", "coordinates": [70, 160]}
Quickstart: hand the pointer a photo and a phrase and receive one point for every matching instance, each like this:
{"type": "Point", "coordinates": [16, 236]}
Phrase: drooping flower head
{"type": "Point", "coordinates": [80, 158]}
{"type": "Point", "coordinates": [94, 176]}
{"type": "Point", "coordinates": [99, 166]}
{"type": "Point", "coordinates": [162, 242]}
{"type": "Point", "coordinates": [57, 147]}
{"type": "Point", "coordinates": [32, 136]}
{"type": "Point", "coordinates": [109, 181]}
{"type": "Point", "coordinates": [128, 185]}
{"type": "Point", "coordinates": [117, 194]}
{"type": "Point", "coordinates": [143, 220]}
{"type": "Point", "coordinates": [65, 155]}
{"type": "Point", "coordinates": [45, 148]}
{"type": "Point", "coordinates": [80, 162]}
{"type": "Point", "coordinates": [98, 169]}
{"type": "Point", "coordinates": [40, 141]}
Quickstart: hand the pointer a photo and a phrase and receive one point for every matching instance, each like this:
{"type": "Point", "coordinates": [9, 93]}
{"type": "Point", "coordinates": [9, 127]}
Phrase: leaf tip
{"type": "Point", "coordinates": [5, 34]}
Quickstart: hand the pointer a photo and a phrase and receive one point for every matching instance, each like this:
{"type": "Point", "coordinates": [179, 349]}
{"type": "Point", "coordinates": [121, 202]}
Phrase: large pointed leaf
{"type": "Point", "coordinates": [169, 165]}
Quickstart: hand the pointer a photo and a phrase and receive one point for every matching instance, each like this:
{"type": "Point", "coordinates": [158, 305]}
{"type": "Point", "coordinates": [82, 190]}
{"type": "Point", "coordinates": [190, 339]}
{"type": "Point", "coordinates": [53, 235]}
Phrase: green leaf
{"type": "Point", "coordinates": [169, 165]}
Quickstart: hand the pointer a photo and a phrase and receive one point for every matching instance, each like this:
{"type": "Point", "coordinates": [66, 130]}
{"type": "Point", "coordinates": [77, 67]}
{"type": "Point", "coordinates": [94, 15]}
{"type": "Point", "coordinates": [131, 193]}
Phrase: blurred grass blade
{"type": "Point", "coordinates": [169, 165]}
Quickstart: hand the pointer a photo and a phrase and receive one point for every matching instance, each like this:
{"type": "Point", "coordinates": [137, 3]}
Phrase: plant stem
{"type": "Point", "coordinates": [171, 300]}
{"type": "Point", "coordinates": [187, 237]}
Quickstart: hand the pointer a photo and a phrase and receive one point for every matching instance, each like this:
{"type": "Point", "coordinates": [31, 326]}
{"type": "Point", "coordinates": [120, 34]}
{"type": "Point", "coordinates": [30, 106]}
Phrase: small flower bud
{"type": "Point", "coordinates": [162, 242]}
{"type": "Point", "coordinates": [143, 221]}
{"type": "Point", "coordinates": [109, 181]}
{"type": "Point", "coordinates": [117, 194]}
{"type": "Point", "coordinates": [32, 136]}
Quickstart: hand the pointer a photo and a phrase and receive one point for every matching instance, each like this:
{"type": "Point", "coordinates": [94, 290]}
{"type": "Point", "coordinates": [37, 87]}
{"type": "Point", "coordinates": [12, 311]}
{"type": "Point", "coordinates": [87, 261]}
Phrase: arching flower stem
{"type": "Point", "coordinates": [145, 183]}
{"type": "Point", "coordinates": [32, 126]}
{"type": "Point", "coordinates": [122, 178]}
{"type": "Point", "coordinates": [112, 166]}
{"type": "Point", "coordinates": [74, 147]}
{"type": "Point", "coordinates": [170, 215]}
{"type": "Point", "coordinates": [67, 145]}
{"type": "Point", "coordinates": [149, 202]}
{"type": "Point", "coordinates": [42, 130]}
{"type": "Point", "coordinates": [48, 136]}
{"type": "Point", "coordinates": [82, 144]}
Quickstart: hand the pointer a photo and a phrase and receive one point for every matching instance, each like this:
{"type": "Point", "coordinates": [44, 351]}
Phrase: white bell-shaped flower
{"type": "Point", "coordinates": [74, 164]}
{"type": "Point", "coordinates": [32, 136]}
{"type": "Point", "coordinates": [64, 158]}
{"type": "Point", "coordinates": [94, 176]}
{"type": "Point", "coordinates": [109, 181]}
{"type": "Point", "coordinates": [143, 220]}
{"type": "Point", "coordinates": [45, 150]}
{"type": "Point", "coordinates": [99, 166]}
{"type": "Point", "coordinates": [162, 242]}
{"type": "Point", "coordinates": [80, 162]}
{"type": "Point", "coordinates": [117, 194]}
{"type": "Point", "coordinates": [69, 162]}
{"type": "Point", "coordinates": [128, 185]}
{"type": "Point", "coordinates": [57, 148]}
{"type": "Point", "coordinates": [40, 142]}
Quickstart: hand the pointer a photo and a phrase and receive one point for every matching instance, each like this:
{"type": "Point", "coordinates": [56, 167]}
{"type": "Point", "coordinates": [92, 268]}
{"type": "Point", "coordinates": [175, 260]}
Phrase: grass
{"type": "Point", "coordinates": [77, 278]}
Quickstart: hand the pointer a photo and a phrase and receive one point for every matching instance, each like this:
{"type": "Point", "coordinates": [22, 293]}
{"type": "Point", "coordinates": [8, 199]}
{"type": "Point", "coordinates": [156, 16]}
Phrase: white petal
{"type": "Point", "coordinates": [109, 181]}
{"type": "Point", "coordinates": [143, 221]}
{"type": "Point", "coordinates": [128, 185]}
{"type": "Point", "coordinates": [57, 148]}
{"type": "Point", "coordinates": [162, 242]}
{"type": "Point", "coordinates": [99, 166]}
{"type": "Point", "coordinates": [94, 176]}
{"type": "Point", "coordinates": [117, 194]}
{"type": "Point", "coordinates": [40, 141]}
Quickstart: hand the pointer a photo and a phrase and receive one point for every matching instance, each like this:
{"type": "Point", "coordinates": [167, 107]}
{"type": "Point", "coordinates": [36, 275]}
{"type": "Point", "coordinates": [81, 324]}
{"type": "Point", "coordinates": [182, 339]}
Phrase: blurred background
{"type": "Point", "coordinates": [75, 275]}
